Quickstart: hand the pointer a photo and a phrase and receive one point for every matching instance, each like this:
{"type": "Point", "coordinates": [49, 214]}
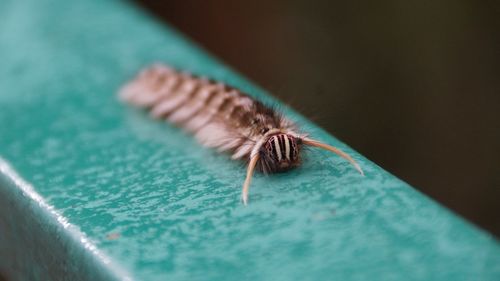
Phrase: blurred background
{"type": "Point", "coordinates": [413, 85]}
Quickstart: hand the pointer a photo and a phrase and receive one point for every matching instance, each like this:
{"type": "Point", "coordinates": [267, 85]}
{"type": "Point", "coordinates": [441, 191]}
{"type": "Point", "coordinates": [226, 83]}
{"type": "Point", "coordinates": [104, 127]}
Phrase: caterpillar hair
{"type": "Point", "coordinates": [224, 118]}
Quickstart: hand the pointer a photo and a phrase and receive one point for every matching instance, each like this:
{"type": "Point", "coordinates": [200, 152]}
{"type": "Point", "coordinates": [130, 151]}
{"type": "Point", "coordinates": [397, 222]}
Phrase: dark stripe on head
{"type": "Point", "coordinates": [281, 139]}
{"type": "Point", "coordinates": [273, 148]}
{"type": "Point", "coordinates": [293, 147]}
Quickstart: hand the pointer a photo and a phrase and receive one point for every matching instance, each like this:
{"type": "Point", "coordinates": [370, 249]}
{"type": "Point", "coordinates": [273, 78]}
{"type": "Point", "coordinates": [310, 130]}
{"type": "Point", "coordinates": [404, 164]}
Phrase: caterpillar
{"type": "Point", "coordinates": [222, 117]}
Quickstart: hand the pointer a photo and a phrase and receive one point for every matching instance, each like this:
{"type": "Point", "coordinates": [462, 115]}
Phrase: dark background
{"type": "Point", "coordinates": [413, 85]}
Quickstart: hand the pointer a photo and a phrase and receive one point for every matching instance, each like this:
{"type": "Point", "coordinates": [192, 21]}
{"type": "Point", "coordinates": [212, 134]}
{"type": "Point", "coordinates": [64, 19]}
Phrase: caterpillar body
{"type": "Point", "coordinates": [224, 118]}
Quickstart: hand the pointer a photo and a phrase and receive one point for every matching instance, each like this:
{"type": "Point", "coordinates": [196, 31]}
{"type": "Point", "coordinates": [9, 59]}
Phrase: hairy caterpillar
{"type": "Point", "coordinates": [222, 117]}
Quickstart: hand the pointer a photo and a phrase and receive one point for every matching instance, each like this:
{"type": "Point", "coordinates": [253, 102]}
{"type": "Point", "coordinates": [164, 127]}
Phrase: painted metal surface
{"type": "Point", "coordinates": [91, 189]}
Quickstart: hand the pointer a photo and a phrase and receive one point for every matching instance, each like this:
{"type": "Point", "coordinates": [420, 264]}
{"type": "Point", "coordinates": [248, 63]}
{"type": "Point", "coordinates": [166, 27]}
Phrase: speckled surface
{"type": "Point", "coordinates": [92, 189]}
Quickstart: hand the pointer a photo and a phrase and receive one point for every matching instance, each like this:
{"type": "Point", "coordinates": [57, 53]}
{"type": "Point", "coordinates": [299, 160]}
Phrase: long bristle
{"type": "Point", "coordinates": [335, 150]}
{"type": "Point", "coordinates": [248, 179]}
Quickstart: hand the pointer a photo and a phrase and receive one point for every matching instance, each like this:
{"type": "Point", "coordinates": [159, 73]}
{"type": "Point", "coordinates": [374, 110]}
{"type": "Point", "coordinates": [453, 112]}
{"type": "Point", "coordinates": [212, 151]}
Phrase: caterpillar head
{"type": "Point", "coordinates": [279, 153]}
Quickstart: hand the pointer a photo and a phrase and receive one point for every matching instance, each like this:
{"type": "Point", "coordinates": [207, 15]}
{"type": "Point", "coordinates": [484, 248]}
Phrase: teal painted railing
{"type": "Point", "coordinates": [91, 189]}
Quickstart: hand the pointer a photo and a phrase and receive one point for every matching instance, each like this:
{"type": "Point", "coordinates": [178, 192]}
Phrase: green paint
{"type": "Point", "coordinates": [155, 204]}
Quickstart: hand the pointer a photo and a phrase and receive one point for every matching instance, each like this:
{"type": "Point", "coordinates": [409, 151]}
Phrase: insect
{"type": "Point", "coordinates": [224, 118]}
